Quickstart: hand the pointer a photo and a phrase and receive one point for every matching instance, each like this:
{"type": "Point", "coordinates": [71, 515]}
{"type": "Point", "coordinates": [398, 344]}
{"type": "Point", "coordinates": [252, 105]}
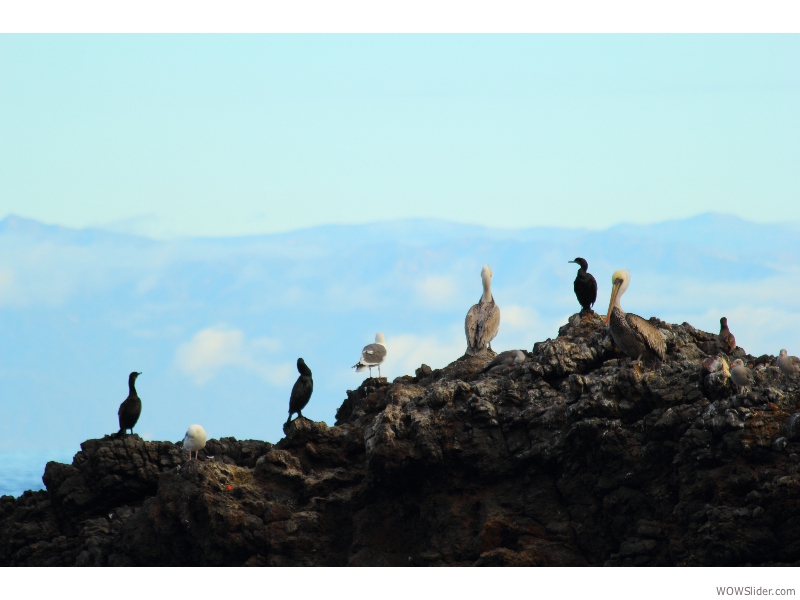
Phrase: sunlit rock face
{"type": "Point", "coordinates": [576, 456]}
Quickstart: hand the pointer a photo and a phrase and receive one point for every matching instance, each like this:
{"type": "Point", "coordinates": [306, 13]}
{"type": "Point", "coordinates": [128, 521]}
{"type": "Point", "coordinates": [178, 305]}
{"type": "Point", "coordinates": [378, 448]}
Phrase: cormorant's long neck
{"type": "Point", "coordinates": [131, 387]}
{"type": "Point", "coordinates": [487, 290]}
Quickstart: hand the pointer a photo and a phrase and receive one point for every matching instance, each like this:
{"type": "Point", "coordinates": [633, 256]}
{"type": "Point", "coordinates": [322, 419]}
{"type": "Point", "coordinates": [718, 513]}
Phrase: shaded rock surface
{"type": "Point", "coordinates": [574, 457]}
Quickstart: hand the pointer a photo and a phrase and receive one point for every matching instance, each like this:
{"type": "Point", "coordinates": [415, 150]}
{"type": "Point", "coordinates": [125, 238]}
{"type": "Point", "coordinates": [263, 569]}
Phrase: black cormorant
{"type": "Point", "coordinates": [585, 285]}
{"type": "Point", "coordinates": [301, 392]}
{"type": "Point", "coordinates": [131, 407]}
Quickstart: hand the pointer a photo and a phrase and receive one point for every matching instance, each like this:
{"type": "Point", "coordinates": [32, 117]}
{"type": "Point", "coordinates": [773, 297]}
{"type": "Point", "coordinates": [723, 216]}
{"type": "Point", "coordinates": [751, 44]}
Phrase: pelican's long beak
{"type": "Point", "coordinates": [614, 292]}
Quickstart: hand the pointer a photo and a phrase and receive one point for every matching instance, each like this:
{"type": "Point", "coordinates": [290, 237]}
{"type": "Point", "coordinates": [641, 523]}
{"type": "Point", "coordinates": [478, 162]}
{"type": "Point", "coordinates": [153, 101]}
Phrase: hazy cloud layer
{"type": "Point", "coordinates": [214, 348]}
{"type": "Point", "coordinates": [216, 325]}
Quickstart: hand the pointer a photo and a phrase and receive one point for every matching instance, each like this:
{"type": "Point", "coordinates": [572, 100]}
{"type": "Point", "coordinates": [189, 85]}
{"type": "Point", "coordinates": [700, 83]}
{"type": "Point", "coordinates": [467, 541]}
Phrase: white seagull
{"type": "Point", "coordinates": [742, 376]}
{"type": "Point", "coordinates": [195, 440]}
{"type": "Point", "coordinates": [372, 355]}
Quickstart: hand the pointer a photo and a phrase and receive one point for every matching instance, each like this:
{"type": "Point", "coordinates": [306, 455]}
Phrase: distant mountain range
{"type": "Point", "coordinates": [216, 324]}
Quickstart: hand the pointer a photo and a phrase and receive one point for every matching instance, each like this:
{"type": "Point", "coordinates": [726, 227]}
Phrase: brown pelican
{"type": "Point", "coordinates": [789, 365]}
{"type": "Point", "coordinates": [372, 355]}
{"type": "Point", "coordinates": [301, 392]}
{"type": "Point", "coordinates": [741, 375]}
{"type": "Point", "coordinates": [636, 337]}
{"type": "Point", "coordinates": [483, 319]}
{"type": "Point", "coordinates": [194, 440]}
{"type": "Point", "coordinates": [509, 358]}
{"type": "Point", "coordinates": [726, 340]}
{"type": "Point", "coordinates": [585, 285]}
{"type": "Point", "coordinates": [131, 407]}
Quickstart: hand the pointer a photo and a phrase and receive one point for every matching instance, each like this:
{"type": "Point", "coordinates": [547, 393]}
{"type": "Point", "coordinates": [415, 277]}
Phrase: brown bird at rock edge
{"type": "Point", "coordinates": [726, 340]}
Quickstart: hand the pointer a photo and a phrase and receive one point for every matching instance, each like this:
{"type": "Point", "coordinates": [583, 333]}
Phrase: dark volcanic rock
{"type": "Point", "coordinates": [574, 457]}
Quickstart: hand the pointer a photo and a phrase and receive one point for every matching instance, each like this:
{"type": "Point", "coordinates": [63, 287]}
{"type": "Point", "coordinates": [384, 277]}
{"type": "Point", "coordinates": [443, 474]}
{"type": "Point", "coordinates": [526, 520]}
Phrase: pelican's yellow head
{"type": "Point", "coordinates": [619, 283]}
{"type": "Point", "coordinates": [486, 272]}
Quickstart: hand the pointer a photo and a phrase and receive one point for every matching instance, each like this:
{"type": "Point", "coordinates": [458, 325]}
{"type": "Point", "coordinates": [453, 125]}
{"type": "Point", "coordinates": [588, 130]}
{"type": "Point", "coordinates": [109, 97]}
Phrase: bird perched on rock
{"type": "Point", "coordinates": [194, 440]}
{"type": "Point", "coordinates": [726, 340]}
{"type": "Point", "coordinates": [504, 360]}
{"type": "Point", "coordinates": [585, 285]}
{"type": "Point", "coordinates": [372, 355]}
{"type": "Point", "coordinates": [789, 365]}
{"type": "Point", "coordinates": [741, 376]}
{"type": "Point", "coordinates": [301, 392]}
{"type": "Point", "coordinates": [483, 319]}
{"type": "Point", "coordinates": [637, 338]}
{"type": "Point", "coordinates": [131, 407]}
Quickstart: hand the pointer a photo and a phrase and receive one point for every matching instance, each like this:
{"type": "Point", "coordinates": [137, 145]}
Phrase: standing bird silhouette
{"type": "Point", "coordinates": [131, 407]}
{"type": "Point", "coordinates": [483, 319]}
{"type": "Point", "coordinates": [301, 392]}
{"type": "Point", "coordinates": [726, 340]}
{"type": "Point", "coordinates": [585, 286]}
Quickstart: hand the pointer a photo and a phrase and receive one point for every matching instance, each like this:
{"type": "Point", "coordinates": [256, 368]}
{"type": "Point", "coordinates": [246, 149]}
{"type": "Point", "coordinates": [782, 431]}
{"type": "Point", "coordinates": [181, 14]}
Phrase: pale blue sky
{"type": "Point", "coordinates": [226, 135]}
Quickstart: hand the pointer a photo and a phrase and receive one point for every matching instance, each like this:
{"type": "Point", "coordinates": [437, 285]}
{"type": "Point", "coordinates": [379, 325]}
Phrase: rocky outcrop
{"type": "Point", "coordinates": [575, 457]}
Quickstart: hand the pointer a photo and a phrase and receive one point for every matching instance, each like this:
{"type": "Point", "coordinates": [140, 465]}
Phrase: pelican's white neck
{"type": "Point", "coordinates": [486, 278]}
{"type": "Point", "coordinates": [487, 290]}
{"type": "Point", "coordinates": [624, 277]}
